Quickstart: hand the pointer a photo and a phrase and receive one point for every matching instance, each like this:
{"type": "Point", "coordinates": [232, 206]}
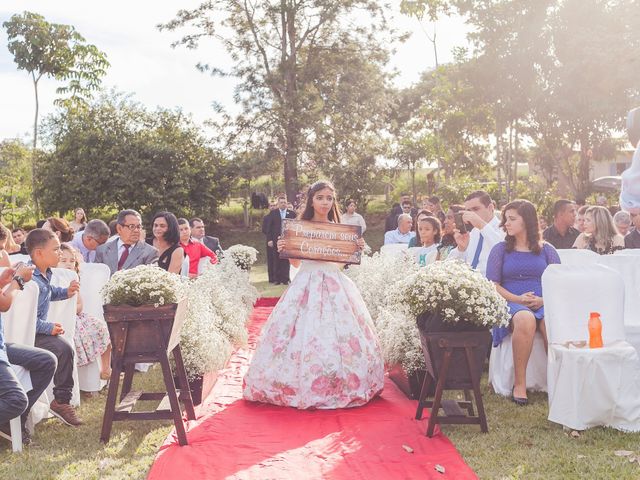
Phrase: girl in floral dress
{"type": "Point", "coordinates": [318, 348]}
{"type": "Point", "coordinates": [92, 334]}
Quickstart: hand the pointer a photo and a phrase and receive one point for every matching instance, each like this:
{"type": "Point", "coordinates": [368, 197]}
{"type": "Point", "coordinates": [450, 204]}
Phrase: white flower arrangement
{"type": "Point", "coordinates": [143, 285]}
{"type": "Point", "coordinates": [220, 301]}
{"type": "Point", "coordinates": [243, 255]}
{"type": "Point", "coordinates": [456, 292]}
{"type": "Point", "coordinates": [377, 278]}
{"type": "Point", "coordinates": [396, 290]}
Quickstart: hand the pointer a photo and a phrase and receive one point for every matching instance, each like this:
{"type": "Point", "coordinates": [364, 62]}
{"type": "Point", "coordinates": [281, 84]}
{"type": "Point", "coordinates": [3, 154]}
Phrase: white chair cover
{"type": "Point", "coordinates": [589, 387]}
{"type": "Point", "coordinates": [184, 271]}
{"type": "Point", "coordinates": [501, 373]}
{"type": "Point", "coordinates": [394, 249]}
{"type": "Point", "coordinates": [575, 256]}
{"type": "Point", "coordinates": [20, 321]}
{"type": "Point", "coordinates": [94, 276]}
{"type": "Point", "coordinates": [628, 266]}
{"type": "Point", "coordinates": [19, 257]}
{"type": "Point", "coordinates": [631, 252]}
{"type": "Point", "coordinates": [19, 325]}
{"type": "Point", "coordinates": [64, 312]}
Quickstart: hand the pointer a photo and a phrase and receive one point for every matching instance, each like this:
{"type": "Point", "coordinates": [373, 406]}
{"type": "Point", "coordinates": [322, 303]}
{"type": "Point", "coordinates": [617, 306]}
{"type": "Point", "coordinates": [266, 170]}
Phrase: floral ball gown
{"type": "Point", "coordinates": [318, 348]}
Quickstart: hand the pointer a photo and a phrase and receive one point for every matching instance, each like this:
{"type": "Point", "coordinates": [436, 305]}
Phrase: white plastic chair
{"type": "Point", "coordinates": [94, 276]}
{"type": "Point", "coordinates": [589, 387]}
{"type": "Point", "coordinates": [19, 257]}
{"type": "Point", "coordinates": [577, 256]}
{"type": "Point", "coordinates": [630, 252]}
{"type": "Point", "coordinates": [19, 326]}
{"type": "Point", "coordinates": [184, 271]}
{"type": "Point", "coordinates": [394, 249]}
{"type": "Point", "coordinates": [628, 266]}
{"type": "Point", "coordinates": [15, 426]}
{"type": "Point", "coordinates": [502, 374]}
{"type": "Point", "coordinates": [64, 312]}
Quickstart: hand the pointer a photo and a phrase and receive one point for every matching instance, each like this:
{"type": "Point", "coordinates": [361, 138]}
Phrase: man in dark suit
{"type": "Point", "coordinates": [270, 251]}
{"type": "Point", "coordinates": [198, 233]}
{"type": "Point", "coordinates": [272, 228]}
{"type": "Point", "coordinates": [128, 250]}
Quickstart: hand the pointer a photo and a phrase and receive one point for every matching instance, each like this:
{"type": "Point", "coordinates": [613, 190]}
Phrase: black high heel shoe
{"type": "Point", "coordinates": [523, 402]}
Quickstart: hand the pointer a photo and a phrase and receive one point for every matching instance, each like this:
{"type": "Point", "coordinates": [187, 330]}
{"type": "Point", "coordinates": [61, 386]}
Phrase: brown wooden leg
{"type": "Point", "coordinates": [442, 377]}
{"type": "Point", "coordinates": [476, 390]}
{"type": "Point", "coordinates": [467, 397]}
{"type": "Point", "coordinates": [128, 379]}
{"type": "Point", "coordinates": [110, 406]}
{"type": "Point", "coordinates": [173, 399]}
{"type": "Point", "coordinates": [426, 383]}
{"type": "Point", "coordinates": [185, 392]}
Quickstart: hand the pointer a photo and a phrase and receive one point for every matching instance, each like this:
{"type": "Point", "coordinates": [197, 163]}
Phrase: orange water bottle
{"type": "Point", "coordinates": [595, 330]}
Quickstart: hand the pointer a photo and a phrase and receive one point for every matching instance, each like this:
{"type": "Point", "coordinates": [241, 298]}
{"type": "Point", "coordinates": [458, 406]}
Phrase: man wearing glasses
{"type": "Point", "coordinates": [86, 241]}
{"type": "Point", "coordinates": [128, 250]}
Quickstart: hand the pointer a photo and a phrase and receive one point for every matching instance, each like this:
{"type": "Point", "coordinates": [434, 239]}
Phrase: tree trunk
{"type": "Point", "coordinates": [413, 184]}
{"type": "Point", "coordinates": [36, 204]}
{"type": "Point", "coordinates": [291, 111]}
{"type": "Point", "coordinates": [584, 166]}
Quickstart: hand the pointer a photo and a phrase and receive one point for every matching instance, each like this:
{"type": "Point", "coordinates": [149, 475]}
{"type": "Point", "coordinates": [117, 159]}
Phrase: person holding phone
{"type": "Point", "coordinates": [474, 245]}
{"type": "Point", "coordinates": [41, 364]}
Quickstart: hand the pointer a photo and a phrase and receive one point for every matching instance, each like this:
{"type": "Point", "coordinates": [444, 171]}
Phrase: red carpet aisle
{"type": "Point", "coordinates": [234, 439]}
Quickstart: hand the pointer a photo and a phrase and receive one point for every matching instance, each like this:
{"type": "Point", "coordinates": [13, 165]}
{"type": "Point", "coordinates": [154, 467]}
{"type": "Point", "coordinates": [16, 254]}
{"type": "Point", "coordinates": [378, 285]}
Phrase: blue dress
{"type": "Point", "coordinates": [519, 273]}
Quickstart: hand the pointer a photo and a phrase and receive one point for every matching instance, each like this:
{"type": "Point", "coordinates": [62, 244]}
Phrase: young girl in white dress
{"type": "Point", "coordinates": [430, 235]}
{"type": "Point", "coordinates": [318, 348]}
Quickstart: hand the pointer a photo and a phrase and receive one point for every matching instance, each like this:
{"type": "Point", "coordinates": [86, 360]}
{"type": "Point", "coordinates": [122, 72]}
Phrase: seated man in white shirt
{"type": "Point", "coordinates": [403, 233]}
{"type": "Point", "coordinates": [474, 247]}
{"type": "Point", "coordinates": [96, 233]}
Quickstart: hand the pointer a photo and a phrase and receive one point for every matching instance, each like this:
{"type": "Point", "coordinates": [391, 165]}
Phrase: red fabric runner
{"type": "Point", "coordinates": [235, 439]}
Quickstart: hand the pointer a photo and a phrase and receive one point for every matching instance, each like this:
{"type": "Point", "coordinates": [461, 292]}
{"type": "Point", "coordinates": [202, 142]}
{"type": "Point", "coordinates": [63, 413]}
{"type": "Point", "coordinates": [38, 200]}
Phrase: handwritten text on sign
{"type": "Point", "coordinates": [329, 242]}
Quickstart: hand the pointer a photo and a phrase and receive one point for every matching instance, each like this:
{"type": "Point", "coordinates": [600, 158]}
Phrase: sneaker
{"type": "Point", "coordinates": [66, 413]}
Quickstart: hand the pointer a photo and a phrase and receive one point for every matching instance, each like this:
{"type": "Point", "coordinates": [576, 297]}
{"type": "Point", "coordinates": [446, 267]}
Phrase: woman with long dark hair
{"type": "Point", "coordinates": [516, 266]}
{"type": "Point", "coordinates": [166, 238]}
{"type": "Point", "coordinates": [318, 348]}
{"type": "Point", "coordinates": [416, 241]}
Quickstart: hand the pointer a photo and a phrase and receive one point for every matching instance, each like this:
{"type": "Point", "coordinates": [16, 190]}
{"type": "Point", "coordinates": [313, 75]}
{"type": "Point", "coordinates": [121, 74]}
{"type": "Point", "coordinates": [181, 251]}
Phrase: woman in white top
{"type": "Point", "coordinates": [353, 218]}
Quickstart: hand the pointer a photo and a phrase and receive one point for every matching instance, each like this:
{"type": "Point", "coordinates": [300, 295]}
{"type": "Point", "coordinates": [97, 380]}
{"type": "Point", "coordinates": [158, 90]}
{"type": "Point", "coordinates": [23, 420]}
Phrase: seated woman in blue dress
{"type": "Point", "coordinates": [516, 266]}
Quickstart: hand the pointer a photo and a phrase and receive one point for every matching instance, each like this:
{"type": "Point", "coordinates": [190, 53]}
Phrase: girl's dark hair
{"type": "Point", "coordinates": [527, 211]}
{"type": "Point", "coordinates": [334, 213]}
{"type": "Point", "coordinates": [426, 212]}
{"type": "Point", "coordinates": [172, 235]}
{"type": "Point", "coordinates": [437, 226]}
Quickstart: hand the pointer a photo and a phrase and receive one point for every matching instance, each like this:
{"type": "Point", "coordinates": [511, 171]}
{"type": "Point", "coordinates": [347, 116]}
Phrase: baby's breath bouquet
{"type": "Point", "coordinates": [457, 293]}
{"type": "Point", "coordinates": [143, 285]}
{"type": "Point", "coordinates": [243, 255]}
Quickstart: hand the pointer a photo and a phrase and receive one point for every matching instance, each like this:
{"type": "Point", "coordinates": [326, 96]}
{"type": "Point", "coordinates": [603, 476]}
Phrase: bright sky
{"type": "Point", "coordinates": [143, 62]}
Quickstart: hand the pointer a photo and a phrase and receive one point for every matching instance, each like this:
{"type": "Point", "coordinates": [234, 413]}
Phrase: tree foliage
{"type": "Point", "coordinates": [277, 47]}
{"type": "Point", "coordinates": [58, 51]}
{"type": "Point", "coordinates": [15, 180]}
{"type": "Point", "coordinates": [114, 153]}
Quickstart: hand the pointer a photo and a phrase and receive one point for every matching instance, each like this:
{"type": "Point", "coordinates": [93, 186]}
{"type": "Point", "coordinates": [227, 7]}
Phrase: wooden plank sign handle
{"type": "Point", "coordinates": [329, 242]}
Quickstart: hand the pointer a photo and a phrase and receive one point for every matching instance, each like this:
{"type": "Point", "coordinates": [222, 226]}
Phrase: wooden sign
{"type": "Point", "coordinates": [329, 242]}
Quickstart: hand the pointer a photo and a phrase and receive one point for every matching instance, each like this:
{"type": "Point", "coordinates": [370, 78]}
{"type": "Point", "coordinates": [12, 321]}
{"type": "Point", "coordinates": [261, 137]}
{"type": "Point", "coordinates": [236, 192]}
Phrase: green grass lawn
{"type": "Point", "coordinates": [521, 443]}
